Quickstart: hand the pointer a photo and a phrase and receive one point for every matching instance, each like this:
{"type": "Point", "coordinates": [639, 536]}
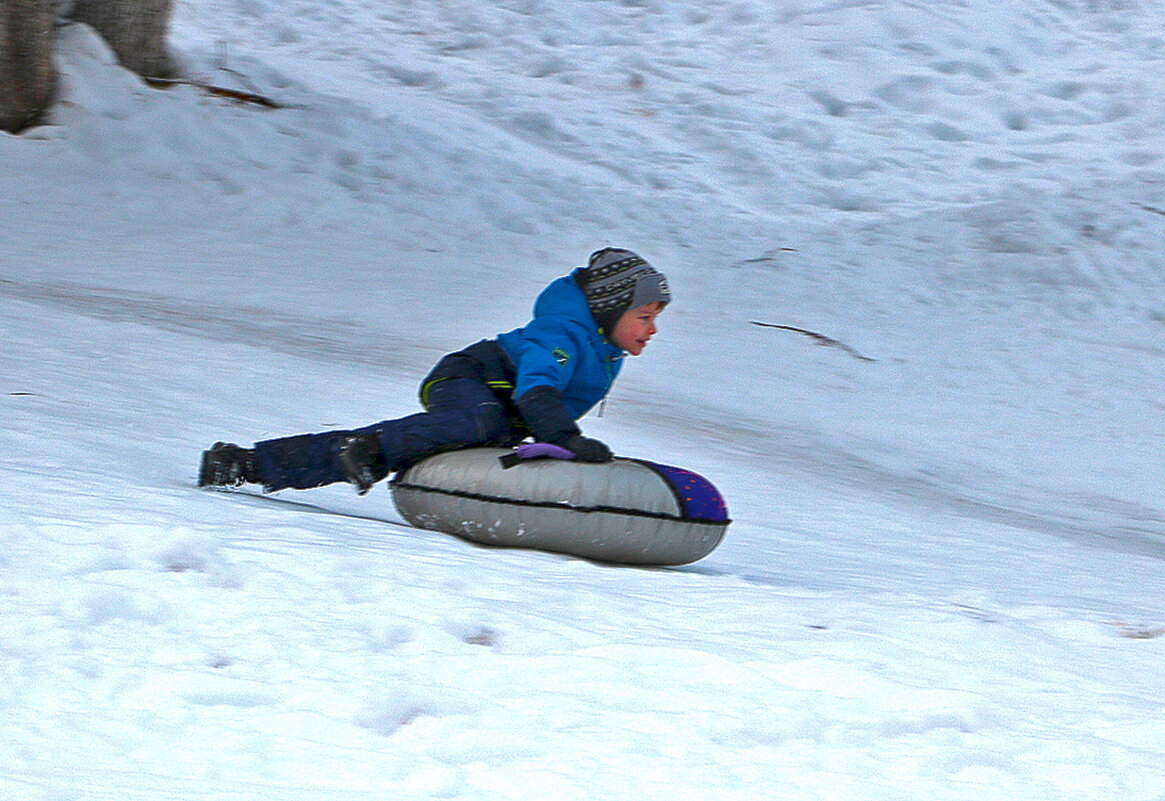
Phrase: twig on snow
{"type": "Point", "coordinates": [820, 339]}
{"type": "Point", "coordinates": [219, 91]}
{"type": "Point", "coordinates": [768, 256]}
{"type": "Point", "coordinates": [1152, 209]}
{"type": "Point", "coordinates": [222, 66]}
{"type": "Point", "coordinates": [242, 96]}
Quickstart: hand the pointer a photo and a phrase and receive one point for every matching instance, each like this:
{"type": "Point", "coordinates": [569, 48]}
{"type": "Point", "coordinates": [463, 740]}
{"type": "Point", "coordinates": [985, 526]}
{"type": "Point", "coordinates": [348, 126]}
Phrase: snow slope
{"type": "Point", "coordinates": [944, 578]}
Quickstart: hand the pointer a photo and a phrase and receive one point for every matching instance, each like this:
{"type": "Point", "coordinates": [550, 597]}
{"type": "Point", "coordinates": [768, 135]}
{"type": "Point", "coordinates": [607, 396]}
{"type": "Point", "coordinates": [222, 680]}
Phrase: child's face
{"type": "Point", "coordinates": [635, 328]}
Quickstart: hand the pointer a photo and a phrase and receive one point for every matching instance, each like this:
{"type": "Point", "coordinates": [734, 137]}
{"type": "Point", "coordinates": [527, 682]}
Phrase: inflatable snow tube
{"type": "Point", "coordinates": [625, 511]}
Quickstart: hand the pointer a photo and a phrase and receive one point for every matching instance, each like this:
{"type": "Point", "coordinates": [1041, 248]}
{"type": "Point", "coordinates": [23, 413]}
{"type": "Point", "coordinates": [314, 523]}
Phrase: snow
{"type": "Point", "coordinates": [944, 575]}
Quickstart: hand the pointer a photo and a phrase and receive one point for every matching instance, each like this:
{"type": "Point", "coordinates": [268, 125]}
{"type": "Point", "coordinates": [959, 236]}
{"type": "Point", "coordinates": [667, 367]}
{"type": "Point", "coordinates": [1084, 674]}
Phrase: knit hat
{"type": "Point", "coordinates": [616, 280]}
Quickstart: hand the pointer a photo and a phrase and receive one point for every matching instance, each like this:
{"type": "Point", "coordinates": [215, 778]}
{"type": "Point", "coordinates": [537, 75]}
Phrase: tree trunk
{"type": "Point", "coordinates": [28, 75]}
{"type": "Point", "coordinates": [135, 29]}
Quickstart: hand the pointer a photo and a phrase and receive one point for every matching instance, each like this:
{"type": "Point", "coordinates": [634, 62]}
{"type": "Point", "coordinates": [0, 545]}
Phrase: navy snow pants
{"type": "Point", "coordinates": [461, 412]}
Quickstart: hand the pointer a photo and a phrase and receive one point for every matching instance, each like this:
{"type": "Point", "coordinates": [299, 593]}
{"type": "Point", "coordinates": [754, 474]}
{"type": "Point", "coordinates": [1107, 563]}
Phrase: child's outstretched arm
{"type": "Point", "coordinates": [544, 411]}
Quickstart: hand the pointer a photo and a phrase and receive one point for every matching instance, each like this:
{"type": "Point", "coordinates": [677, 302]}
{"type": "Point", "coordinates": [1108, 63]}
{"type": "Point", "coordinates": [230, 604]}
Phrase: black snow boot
{"type": "Point", "coordinates": [363, 461]}
{"type": "Point", "coordinates": [227, 465]}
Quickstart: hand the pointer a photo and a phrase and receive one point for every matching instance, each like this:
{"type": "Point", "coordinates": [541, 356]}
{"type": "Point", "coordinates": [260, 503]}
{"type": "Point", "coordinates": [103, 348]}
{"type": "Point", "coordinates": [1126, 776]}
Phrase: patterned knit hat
{"type": "Point", "coordinates": [616, 280]}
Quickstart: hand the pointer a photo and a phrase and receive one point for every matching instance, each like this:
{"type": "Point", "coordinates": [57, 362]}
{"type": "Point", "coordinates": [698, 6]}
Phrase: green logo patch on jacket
{"type": "Point", "coordinates": [560, 356]}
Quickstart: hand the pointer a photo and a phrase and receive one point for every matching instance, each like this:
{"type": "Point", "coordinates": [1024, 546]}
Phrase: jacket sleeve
{"type": "Point", "coordinates": [546, 358]}
{"type": "Point", "coordinates": [544, 411]}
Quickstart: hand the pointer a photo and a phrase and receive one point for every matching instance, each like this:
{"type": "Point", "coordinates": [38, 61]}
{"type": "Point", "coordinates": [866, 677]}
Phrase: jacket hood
{"type": "Point", "coordinates": [564, 299]}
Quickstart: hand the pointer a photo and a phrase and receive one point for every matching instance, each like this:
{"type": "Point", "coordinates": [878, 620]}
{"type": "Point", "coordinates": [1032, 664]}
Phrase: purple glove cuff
{"type": "Point", "coordinates": [533, 450]}
{"type": "Point", "coordinates": [542, 450]}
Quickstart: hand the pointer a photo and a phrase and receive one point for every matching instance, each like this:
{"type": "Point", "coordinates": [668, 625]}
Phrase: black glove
{"type": "Point", "coordinates": [586, 449]}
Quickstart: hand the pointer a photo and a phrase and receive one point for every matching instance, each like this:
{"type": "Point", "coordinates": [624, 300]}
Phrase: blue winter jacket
{"type": "Point", "coordinates": [562, 348]}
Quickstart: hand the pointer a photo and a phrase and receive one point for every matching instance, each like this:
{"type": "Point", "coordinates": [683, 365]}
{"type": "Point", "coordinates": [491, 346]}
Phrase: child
{"type": "Point", "coordinates": [533, 381]}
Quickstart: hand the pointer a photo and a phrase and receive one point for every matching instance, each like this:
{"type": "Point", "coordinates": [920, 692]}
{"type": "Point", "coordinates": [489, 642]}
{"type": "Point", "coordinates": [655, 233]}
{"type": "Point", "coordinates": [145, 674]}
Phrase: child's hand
{"type": "Point", "coordinates": [586, 449]}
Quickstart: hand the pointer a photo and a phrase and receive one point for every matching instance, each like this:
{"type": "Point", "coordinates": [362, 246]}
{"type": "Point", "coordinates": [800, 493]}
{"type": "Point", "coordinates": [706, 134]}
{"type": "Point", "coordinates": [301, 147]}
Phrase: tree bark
{"type": "Point", "coordinates": [135, 29]}
{"type": "Point", "coordinates": [28, 75]}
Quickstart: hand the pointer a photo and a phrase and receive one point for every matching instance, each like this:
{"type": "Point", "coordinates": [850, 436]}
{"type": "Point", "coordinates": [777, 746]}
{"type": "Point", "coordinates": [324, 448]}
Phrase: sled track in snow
{"type": "Point", "coordinates": [1094, 520]}
{"type": "Point", "coordinates": [312, 337]}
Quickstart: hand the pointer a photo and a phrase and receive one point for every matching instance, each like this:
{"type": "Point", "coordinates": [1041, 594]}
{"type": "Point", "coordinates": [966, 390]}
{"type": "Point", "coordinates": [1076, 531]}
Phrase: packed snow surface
{"type": "Point", "coordinates": [944, 578]}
